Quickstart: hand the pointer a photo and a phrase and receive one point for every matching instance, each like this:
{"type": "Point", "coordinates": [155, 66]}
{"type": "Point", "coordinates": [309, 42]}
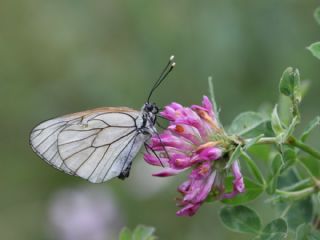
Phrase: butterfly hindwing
{"type": "Point", "coordinates": [96, 145]}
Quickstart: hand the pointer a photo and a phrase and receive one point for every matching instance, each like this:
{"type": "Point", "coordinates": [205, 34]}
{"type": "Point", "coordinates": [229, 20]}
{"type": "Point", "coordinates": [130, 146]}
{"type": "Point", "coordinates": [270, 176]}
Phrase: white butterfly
{"type": "Point", "coordinates": [97, 144]}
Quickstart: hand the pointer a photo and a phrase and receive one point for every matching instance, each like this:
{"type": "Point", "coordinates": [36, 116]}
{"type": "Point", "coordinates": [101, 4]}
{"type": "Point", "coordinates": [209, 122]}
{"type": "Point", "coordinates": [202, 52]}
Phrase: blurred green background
{"type": "Point", "coordinates": [63, 56]}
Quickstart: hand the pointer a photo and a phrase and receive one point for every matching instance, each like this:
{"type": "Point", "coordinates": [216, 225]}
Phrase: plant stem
{"type": "Point", "coordinates": [296, 195]}
{"type": "Point", "coordinates": [267, 140]}
{"type": "Point", "coordinates": [305, 183]}
{"type": "Point", "coordinates": [294, 142]}
{"type": "Point", "coordinates": [286, 210]}
{"type": "Point", "coordinates": [213, 99]}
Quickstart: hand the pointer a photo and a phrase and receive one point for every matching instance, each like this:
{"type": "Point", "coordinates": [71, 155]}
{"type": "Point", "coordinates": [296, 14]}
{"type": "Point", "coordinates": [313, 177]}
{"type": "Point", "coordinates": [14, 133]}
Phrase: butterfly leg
{"type": "Point", "coordinates": [160, 126]}
{"type": "Point", "coordinates": [148, 147]}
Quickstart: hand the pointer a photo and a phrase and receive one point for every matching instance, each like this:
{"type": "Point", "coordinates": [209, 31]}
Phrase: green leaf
{"type": "Point", "coordinates": [300, 212]}
{"type": "Point", "coordinates": [276, 165]}
{"type": "Point", "coordinates": [234, 156]}
{"type": "Point", "coordinates": [240, 219]}
{"type": "Point", "coordinates": [317, 15]}
{"type": "Point", "coordinates": [290, 84]}
{"type": "Point", "coordinates": [272, 236]}
{"type": "Point", "coordinates": [142, 232]}
{"type": "Point", "coordinates": [261, 152]}
{"type": "Point", "coordinates": [276, 122]}
{"type": "Point", "coordinates": [253, 168]}
{"type": "Point", "coordinates": [265, 109]}
{"type": "Point", "coordinates": [248, 124]}
{"type": "Point", "coordinates": [275, 230]}
{"type": "Point", "coordinates": [312, 164]}
{"type": "Point", "coordinates": [285, 109]}
{"type": "Point", "coordinates": [289, 131]}
{"type": "Point", "coordinates": [278, 225]}
{"type": "Point", "coordinates": [311, 125]}
{"type": "Point", "coordinates": [305, 232]}
{"type": "Point", "coordinates": [125, 234]}
{"type": "Point", "coordinates": [253, 190]}
{"type": "Point", "coordinates": [314, 48]}
{"type": "Point", "coordinates": [289, 158]}
{"type": "Point", "coordinates": [287, 179]}
{"type": "Point", "coordinates": [305, 86]}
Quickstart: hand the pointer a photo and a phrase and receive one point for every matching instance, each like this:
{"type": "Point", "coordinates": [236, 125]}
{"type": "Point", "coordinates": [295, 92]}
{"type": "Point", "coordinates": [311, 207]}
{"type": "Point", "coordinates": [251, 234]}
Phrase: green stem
{"type": "Point", "coordinates": [305, 183]}
{"type": "Point", "coordinates": [295, 109]}
{"type": "Point", "coordinates": [213, 99]}
{"type": "Point", "coordinates": [286, 210]}
{"type": "Point", "coordinates": [294, 142]}
{"type": "Point", "coordinates": [296, 195]}
{"type": "Point", "coordinates": [267, 140]}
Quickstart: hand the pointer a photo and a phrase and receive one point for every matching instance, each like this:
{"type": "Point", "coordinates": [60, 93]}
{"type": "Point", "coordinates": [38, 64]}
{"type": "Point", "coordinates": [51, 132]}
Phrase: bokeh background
{"type": "Point", "coordinates": [64, 56]}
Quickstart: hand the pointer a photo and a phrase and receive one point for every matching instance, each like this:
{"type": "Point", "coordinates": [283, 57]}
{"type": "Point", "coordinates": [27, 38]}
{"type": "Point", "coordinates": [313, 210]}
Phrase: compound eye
{"type": "Point", "coordinates": [150, 108]}
{"type": "Point", "coordinates": [155, 110]}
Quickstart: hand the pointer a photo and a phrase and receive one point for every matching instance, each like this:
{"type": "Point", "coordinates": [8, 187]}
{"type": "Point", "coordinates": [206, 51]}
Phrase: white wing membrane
{"type": "Point", "coordinates": [96, 145]}
{"type": "Point", "coordinates": [44, 141]}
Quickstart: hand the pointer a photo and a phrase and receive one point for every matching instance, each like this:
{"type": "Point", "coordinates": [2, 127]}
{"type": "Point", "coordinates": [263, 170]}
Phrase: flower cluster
{"type": "Point", "coordinates": [194, 140]}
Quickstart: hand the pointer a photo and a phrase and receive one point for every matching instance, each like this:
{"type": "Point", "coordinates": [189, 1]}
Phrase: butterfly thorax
{"type": "Point", "coordinates": [149, 117]}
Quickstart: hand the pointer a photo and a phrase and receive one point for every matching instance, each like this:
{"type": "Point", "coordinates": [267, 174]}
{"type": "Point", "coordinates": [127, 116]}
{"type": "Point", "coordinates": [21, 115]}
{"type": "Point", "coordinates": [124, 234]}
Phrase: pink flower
{"type": "Point", "coordinates": [194, 140]}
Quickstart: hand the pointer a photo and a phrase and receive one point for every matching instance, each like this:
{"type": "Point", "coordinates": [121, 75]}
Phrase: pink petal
{"type": "Point", "coordinates": [186, 131]}
{"type": "Point", "coordinates": [179, 161]}
{"type": "Point", "coordinates": [210, 153]}
{"type": "Point", "coordinates": [238, 183]}
{"type": "Point", "coordinates": [176, 106]}
{"type": "Point", "coordinates": [153, 160]}
{"type": "Point", "coordinates": [188, 210]}
{"type": "Point", "coordinates": [170, 140]}
{"type": "Point", "coordinates": [206, 104]}
{"type": "Point", "coordinates": [167, 172]}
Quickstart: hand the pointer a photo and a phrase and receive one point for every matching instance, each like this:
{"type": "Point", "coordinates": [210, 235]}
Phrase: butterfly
{"type": "Point", "coordinates": [97, 144]}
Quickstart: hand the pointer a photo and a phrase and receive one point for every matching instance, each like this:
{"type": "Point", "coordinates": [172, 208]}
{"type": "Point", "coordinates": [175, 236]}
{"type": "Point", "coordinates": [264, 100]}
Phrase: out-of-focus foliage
{"type": "Point", "coordinates": [314, 48]}
{"type": "Point", "coordinates": [60, 56]}
{"type": "Point", "coordinates": [141, 232]}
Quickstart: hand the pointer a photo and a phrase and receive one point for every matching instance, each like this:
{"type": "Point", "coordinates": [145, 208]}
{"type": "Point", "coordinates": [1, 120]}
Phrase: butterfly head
{"type": "Point", "coordinates": [151, 108]}
{"type": "Point", "coordinates": [149, 115]}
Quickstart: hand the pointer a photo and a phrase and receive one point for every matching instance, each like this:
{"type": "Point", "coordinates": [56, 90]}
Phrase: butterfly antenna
{"type": "Point", "coordinates": [165, 72]}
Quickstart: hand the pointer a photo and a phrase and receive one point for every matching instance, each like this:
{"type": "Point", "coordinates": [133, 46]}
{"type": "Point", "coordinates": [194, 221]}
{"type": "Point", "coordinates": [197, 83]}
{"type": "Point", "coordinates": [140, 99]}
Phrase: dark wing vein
{"type": "Point", "coordinates": [129, 153]}
{"type": "Point", "coordinates": [129, 133]}
{"type": "Point", "coordinates": [103, 155]}
{"type": "Point", "coordinates": [85, 160]}
{"type": "Point", "coordinates": [37, 128]}
{"type": "Point", "coordinates": [115, 159]}
{"type": "Point", "coordinates": [46, 138]}
{"type": "Point", "coordinates": [124, 113]}
{"type": "Point", "coordinates": [78, 140]}
{"type": "Point", "coordinates": [52, 155]}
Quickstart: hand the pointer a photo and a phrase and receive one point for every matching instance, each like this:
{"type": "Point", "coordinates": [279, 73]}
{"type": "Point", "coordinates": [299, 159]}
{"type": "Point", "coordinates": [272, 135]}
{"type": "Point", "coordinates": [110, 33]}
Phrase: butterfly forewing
{"type": "Point", "coordinates": [96, 145]}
